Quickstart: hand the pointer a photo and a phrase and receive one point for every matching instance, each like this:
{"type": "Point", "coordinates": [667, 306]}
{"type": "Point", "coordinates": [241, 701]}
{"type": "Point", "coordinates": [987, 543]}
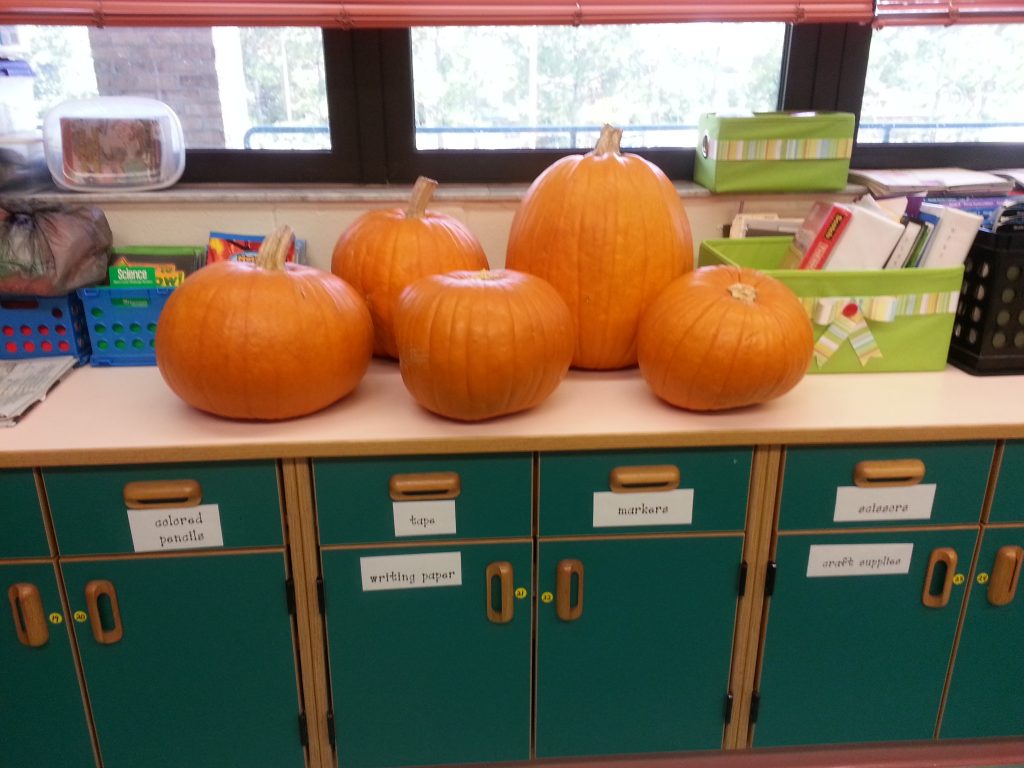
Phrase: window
{"type": "Point", "coordinates": [496, 88]}
{"type": "Point", "coordinates": [944, 84]}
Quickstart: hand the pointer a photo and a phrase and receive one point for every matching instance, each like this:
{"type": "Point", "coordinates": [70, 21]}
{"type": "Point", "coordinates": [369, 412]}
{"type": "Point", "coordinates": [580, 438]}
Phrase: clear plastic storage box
{"type": "Point", "coordinates": [113, 142]}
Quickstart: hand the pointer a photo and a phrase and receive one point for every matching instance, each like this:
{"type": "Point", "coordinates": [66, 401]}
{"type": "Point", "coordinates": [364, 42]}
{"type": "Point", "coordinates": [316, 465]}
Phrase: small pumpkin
{"type": "Point", "coordinates": [475, 345]}
{"type": "Point", "coordinates": [264, 340]}
{"type": "Point", "coordinates": [383, 251]}
{"type": "Point", "coordinates": [724, 337]}
{"type": "Point", "coordinates": [608, 230]}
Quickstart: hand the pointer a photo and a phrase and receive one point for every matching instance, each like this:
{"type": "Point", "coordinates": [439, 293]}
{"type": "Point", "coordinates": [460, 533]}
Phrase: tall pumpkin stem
{"type": "Point", "coordinates": [274, 249]}
{"type": "Point", "coordinates": [610, 140]}
{"type": "Point", "coordinates": [422, 191]}
{"type": "Point", "coordinates": [743, 292]}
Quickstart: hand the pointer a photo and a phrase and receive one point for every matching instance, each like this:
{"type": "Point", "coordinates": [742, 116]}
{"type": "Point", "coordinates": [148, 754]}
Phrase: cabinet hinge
{"type": "Point", "coordinates": [303, 729]}
{"type": "Point", "coordinates": [331, 736]}
{"type": "Point", "coordinates": [743, 579]}
{"type": "Point", "coordinates": [320, 597]}
{"type": "Point", "coordinates": [755, 704]}
{"type": "Point", "coordinates": [769, 579]}
{"type": "Point", "coordinates": [289, 593]}
{"type": "Point", "coordinates": [728, 708]}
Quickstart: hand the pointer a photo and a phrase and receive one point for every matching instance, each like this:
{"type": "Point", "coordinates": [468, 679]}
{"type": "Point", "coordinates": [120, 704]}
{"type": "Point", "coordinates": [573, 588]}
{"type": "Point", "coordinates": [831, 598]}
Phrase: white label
{"type": "Point", "coordinates": [864, 505]}
{"type": "Point", "coordinates": [158, 530]}
{"type": "Point", "coordinates": [434, 569]}
{"type": "Point", "coordinates": [616, 510]}
{"type": "Point", "coordinates": [424, 518]}
{"type": "Point", "coordinates": [859, 559]}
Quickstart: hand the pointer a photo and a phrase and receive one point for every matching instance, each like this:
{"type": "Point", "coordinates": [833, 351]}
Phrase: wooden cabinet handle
{"type": "Point", "coordinates": [422, 486]}
{"type": "Point", "coordinates": [502, 572]}
{"type": "Point", "coordinates": [1002, 584]}
{"type": "Point", "coordinates": [947, 557]}
{"type": "Point", "coordinates": [29, 617]}
{"type": "Point", "coordinates": [154, 494]}
{"type": "Point", "coordinates": [888, 473]}
{"type": "Point", "coordinates": [94, 590]}
{"type": "Point", "coordinates": [659, 477]}
{"type": "Point", "coordinates": [564, 607]}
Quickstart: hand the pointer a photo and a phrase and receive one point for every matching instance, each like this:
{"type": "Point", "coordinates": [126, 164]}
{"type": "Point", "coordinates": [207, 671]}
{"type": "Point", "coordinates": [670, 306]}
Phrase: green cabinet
{"type": "Point", "coordinates": [431, 675]}
{"type": "Point", "coordinates": [176, 581]}
{"type": "Point", "coordinates": [984, 696]}
{"type": "Point", "coordinates": [427, 567]}
{"type": "Point", "coordinates": [42, 716]}
{"type": "Point", "coordinates": [188, 660]}
{"type": "Point", "coordinates": [872, 551]}
{"type": "Point", "coordinates": [639, 578]}
{"type": "Point", "coordinates": [22, 533]}
{"type": "Point", "coordinates": [1008, 497]}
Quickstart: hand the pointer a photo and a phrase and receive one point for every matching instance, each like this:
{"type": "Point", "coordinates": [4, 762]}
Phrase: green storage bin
{"type": "Point", "coordinates": [774, 152]}
{"type": "Point", "coordinates": [907, 313]}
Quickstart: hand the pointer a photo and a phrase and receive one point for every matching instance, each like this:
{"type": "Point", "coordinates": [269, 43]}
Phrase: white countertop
{"type": "Point", "coordinates": [128, 415]}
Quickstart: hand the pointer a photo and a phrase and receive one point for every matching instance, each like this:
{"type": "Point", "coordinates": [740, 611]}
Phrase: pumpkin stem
{"type": "Point", "coordinates": [743, 292]}
{"type": "Point", "coordinates": [422, 191]}
{"type": "Point", "coordinates": [609, 141]}
{"type": "Point", "coordinates": [274, 249]}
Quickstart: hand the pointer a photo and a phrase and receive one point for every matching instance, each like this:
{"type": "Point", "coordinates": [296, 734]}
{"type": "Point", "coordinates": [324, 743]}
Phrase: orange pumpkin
{"type": "Point", "coordinates": [608, 231]}
{"type": "Point", "coordinates": [383, 251]}
{"type": "Point", "coordinates": [264, 340]}
{"type": "Point", "coordinates": [724, 337]}
{"type": "Point", "coordinates": [474, 345]}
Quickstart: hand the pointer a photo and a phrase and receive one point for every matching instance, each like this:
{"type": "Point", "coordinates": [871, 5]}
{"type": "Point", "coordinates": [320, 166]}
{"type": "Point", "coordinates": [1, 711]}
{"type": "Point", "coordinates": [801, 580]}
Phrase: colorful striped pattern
{"type": "Point", "coordinates": [778, 149]}
{"type": "Point", "coordinates": [849, 324]}
{"type": "Point", "coordinates": [880, 309]}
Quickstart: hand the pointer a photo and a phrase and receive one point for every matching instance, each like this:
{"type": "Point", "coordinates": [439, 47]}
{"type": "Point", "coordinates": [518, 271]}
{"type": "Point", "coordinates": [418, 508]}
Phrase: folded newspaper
{"type": "Point", "coordinates": [23, 383]}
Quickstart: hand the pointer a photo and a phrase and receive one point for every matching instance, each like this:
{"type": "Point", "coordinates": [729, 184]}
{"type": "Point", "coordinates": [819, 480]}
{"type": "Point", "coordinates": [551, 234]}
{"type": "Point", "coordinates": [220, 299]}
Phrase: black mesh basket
{"type": "Point", "coordinates": [988, 333]}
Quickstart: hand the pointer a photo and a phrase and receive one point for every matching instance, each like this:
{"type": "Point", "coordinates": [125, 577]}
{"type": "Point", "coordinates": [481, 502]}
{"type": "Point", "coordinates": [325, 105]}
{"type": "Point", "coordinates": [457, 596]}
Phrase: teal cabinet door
{"type": "Point", "coordinates": [1008, 501]}
{"type": "Point", "coordinates": [42, 713]}
{"type": "Point", "coordinates": [985, 690]}
{"type": "Point", "coordinates": [188, 660]}
{"type": "Point", "coordinates": [634, 643]}
{"type": "Point", "coordinates": [425, 675]}
{"type": "Point", "coordinates": [852, 653]}
{"type": "Point", "coordinates": [21, 519]}
{"type": "Point", "coordinates": [487, 496]}
{"type": "Point", "coordinates": [815, 476]}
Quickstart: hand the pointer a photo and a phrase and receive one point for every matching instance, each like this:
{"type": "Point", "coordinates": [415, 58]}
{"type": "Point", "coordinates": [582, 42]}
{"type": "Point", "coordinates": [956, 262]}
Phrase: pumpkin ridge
{"type": "Point", "coordinates": [694, 316]}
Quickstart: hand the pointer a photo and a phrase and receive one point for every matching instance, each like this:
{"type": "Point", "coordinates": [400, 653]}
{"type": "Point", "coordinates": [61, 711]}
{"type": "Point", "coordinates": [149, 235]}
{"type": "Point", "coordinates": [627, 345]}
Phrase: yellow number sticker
{"type": "Point", "coordinates": [56, 618]}
{"type": "Point", "coordinates": [959, 579]}
{"type": "Point", "coordinates": [520, 593]}
{"type": "Point", "coordinates": [80, 617]}
{"type": "Point", "coordinates": [983, 578]}
{"type": "Point", "coordinates": [547, 597]}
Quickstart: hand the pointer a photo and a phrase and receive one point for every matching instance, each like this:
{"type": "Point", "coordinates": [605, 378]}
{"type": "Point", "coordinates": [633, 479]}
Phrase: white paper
{"type": "Point", "coordinates": [619, 510]}
{"type": "Point", "coordinates": [859, 559]}
{"type": "Point", "coordinates": [424, 518]}
{"type": "Point", "coordinates": [25, 382]}
{"type": "Point", "coordinates": [433, 569]}
{"type": "Point", "coordinates": [865, 505]}
{"type": "Point", "coordinates": [168, 528]}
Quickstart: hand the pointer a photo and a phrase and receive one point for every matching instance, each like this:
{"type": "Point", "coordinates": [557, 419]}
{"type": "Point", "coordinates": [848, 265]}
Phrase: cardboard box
{"type": "Point", "coordinates": [774, 152]}
{"type": "Point", "coordinates": [864, 321]}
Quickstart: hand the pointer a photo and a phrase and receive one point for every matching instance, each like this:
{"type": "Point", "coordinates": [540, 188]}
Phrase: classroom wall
{"type": "Point", "coordinates": [186, 217]}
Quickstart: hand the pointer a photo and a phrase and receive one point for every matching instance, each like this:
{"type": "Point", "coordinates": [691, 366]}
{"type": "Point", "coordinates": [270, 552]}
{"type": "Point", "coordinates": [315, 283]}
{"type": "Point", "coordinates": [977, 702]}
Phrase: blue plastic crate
{"type": "Point", "coordinates": [122, 323]}
{"type": "Point", "coordinates": [42, 326]}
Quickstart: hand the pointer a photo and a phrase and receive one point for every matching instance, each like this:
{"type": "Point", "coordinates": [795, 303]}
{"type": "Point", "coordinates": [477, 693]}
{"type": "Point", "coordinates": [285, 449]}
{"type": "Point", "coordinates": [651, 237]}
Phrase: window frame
{"type": "Point", "coordinates": [371, 108]}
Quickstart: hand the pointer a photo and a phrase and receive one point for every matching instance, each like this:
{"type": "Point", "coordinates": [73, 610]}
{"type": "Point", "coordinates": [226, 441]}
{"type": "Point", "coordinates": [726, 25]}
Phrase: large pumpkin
{"type": "Point", "coordinates": [608, 231]}
{"type": "Point", "coordinates": [264, 340]}
{"type": "Point", "coordinates": [385, 250]}
{"type": "Point", "coordinates": [724, 337]}
{"type": "Point", "coordinates": [474, 345]}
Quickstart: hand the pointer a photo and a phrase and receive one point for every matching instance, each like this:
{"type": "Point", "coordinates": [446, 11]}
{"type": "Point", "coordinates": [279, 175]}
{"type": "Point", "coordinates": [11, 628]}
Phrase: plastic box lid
{"type": "Point", "coordinates": [113, 142]}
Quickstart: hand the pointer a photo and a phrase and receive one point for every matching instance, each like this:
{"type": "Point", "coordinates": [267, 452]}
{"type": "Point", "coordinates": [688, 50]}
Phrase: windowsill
{"type": "Point", "coordinates": [205, 194]}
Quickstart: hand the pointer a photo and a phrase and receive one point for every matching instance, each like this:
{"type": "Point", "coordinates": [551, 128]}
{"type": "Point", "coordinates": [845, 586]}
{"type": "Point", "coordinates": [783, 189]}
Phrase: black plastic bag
{"type": "Point", "coordinates": [54, 250]}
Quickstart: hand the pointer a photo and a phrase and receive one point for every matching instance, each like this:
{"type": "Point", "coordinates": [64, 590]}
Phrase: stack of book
{"type": "Point", "coordinates": [861, 235]}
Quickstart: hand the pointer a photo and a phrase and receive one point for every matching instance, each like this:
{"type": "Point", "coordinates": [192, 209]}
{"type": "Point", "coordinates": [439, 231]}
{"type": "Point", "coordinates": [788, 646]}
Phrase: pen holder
{"type": "Point", "coordinates": [988, 333]}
